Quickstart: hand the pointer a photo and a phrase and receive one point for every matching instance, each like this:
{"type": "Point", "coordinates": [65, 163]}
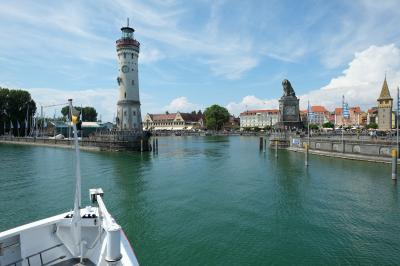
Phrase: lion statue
{"type": "Point", "coordinates": [287, 88]}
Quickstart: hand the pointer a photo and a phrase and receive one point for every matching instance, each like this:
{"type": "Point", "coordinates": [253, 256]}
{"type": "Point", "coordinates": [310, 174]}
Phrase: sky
{"type": "Point", "coordinates": [198, 53]}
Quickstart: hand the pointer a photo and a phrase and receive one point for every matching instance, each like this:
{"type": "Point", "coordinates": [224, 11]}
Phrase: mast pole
{"type": "Point", "coordinates": [76, 219]}
{"type": "Point", "coordinates": [308, 124]}
{"type": "Point", "coordinates": [397, 122]}
{"type": "Point", "coordinates": [342, 123]}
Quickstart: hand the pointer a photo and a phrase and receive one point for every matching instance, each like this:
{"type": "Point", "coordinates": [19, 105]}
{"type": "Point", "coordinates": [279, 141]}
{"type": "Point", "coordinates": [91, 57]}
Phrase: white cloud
{"type": "Point", "coordinates": [181, 104]}
{"type": "Point", "coordinates": [251, 102]}
{"type": "Point", "coordinates": [103, 100]}
{"type": "Point", "coordinates": [150, 56]}
{"type": "Point", "coordinates": [232, 67]}
{"type": "Point", "coordinates": [218, 49]}
{"type": "Point", "coordinates": [360, 83]}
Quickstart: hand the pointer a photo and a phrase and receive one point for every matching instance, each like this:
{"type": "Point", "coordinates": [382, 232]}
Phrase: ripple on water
{"type": "Point", "coordinates": [218, 201]}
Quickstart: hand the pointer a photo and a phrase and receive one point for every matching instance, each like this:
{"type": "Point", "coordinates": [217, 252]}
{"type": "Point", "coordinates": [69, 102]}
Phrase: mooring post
{"type": "Point", "coordinates": [306, 154]}
{"type": "Point", "coordinates": [141, 145]}
{"type": "Point", "coordinates": [261, 143]}
{"type": "Point", "coordinates": [394, 164]}
{"type": "Point", "coordinates": [276, 149]}
{"type": "Point", "coordinates": [154, 145]}
{"type": "Point", "coordinates": [265, 145]}
{"type": "Point", "coordinates": [157, 145]}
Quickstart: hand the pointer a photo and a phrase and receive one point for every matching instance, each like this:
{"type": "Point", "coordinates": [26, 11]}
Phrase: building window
{"type": "Point", "coordinates": [133, 82]}
{"type": "Point", "coordinates": [124, 55]}
{"type": "Point", "coordinates": [125, 95]}
{"type": "Point", "coordinates": [132, 55]}
{"type": "Point", "coordinates": [134, 113]}
{"type": "Point", "coordinates": [124, 113]}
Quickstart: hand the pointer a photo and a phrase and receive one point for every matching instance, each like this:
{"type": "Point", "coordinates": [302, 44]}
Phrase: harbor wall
{"type": "Point", "coordinates": [102, 144]}
{"type": "Point", "coordinates": [348, 146]}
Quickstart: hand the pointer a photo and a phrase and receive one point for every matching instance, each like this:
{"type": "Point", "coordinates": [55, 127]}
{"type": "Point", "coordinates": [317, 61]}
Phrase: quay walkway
{"type": "Point", "coordinates": [348, 156]}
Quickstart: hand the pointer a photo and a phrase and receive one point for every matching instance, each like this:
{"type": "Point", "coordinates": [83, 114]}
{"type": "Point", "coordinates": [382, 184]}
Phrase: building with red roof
{"type": "Point", "coordinates": [355, 118]}
{"type": "Point", "coordinates": [173, 121]}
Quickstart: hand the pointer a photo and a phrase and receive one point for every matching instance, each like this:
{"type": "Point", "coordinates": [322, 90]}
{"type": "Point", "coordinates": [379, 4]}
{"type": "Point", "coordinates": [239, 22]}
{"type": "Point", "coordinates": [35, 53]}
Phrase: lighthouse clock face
{"type": "Point", "coordinates": [125, 69]}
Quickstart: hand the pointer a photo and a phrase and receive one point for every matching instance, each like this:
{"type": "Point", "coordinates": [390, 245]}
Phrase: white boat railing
{"type": "Point", "coordinates": [113, 232]}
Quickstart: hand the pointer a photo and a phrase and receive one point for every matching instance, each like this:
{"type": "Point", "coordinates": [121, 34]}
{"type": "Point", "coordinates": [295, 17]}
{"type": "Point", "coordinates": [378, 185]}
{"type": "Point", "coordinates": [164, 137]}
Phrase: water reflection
{"type": "Point", "coordinates": [202, 201]}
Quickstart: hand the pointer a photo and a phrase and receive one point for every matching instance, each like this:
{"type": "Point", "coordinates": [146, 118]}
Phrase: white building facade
{"type": "Point", "coordinates": [259, 118]}
{"type": "Point", "coordinates": [128, 107]}
{"type": "Point", "coordinates": [174, 121]}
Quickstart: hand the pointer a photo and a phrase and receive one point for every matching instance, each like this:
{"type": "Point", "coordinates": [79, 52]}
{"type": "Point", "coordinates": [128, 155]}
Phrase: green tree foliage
{"type": "Point", "coordinates": [328, 125]}
{"type": "Point", "coordinates": [372, 125]}
{"type": "Point", "coordinates": [216, 116]}
{"type": "Point", "coordinates": [15, 107]}
{"type": "Point", "coordinates": [314, 126]}
{"type": "Point", "coordinates": [89, 114]}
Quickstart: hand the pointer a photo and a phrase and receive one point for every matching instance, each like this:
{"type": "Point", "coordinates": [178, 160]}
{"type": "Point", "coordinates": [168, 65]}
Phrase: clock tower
{"type": "Point", "coordinates": [128, 106]}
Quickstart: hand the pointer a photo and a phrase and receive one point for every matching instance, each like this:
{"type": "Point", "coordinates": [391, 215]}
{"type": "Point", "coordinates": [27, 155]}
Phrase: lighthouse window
{"type": "Point", "coordinates": [124, 113]}
{"type": "Point", "coordinates": [125, 95]}
{"type": "Point", "coordinates": [132, 55]}
{"type": "Point", "coordinates": [134, 113]}
{"type": "Point", "coordinates": [133, 82]}
{"type": "Point", "coordinates": [124, 55]}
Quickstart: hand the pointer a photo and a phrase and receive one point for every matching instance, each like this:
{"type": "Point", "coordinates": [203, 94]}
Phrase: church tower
{"type": "Point", "coordinates": [385, 104]}
{"type": "Point", "coordinates": [128, 110]}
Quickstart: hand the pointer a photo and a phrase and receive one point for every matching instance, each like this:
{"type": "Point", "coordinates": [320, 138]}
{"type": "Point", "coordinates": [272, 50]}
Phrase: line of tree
{"type": "Point", "coordinates": [16, 111]}
{"type": "Point", "coordinates": [89, 114]}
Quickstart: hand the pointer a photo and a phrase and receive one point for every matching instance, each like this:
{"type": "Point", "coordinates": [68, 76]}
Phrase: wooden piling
{"type": "Point", "coordinates": [157, 145]}
{"type": "Point", "coordinates": [276, 149]}
{"type": "Point", "coordinates": [154, 145]}
{"type": "Point", "coordinates": [261, 143]}
{"type": "Point", "coordinates": [306, 154]}
{"type": "Point", "coordinates": [394, 164]}
{"type": "Point", "coordinates": [141, 145]}
{"type": "Point", "coordinates": [265, 145]}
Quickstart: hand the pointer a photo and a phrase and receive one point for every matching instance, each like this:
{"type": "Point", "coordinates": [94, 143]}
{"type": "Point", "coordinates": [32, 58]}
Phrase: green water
{"type": "Point", "coordinates": [218, 201]}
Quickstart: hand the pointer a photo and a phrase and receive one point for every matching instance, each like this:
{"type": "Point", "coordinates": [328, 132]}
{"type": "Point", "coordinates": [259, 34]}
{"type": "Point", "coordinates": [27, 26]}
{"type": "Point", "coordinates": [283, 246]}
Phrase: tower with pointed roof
{"type": "Point", "coordinates": [385, 105]}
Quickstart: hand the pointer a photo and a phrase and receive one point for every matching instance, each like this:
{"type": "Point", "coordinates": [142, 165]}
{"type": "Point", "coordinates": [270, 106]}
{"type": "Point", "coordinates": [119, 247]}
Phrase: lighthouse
{"type": "Point", "coordinates": [128, 106]}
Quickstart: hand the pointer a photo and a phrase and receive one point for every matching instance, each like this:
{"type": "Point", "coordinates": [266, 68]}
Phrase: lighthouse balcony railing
{"type": "Point", "coordinates": [128, 42]}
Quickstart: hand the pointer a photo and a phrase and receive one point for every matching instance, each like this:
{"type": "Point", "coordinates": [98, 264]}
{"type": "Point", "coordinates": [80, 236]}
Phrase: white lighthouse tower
{"type": "Point", "coordinates": [128, 110]}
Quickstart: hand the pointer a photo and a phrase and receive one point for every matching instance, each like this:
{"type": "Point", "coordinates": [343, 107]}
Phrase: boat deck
{"type": "Point", "coordinates": [75, 261]}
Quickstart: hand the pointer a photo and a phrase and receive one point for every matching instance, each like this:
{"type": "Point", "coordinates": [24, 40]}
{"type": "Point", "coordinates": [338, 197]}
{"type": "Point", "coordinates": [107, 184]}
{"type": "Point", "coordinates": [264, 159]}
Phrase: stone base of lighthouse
{"type": "Point", "coordinates": [121, 140]}
{"type": "Point", "coordinates": [129, 116]}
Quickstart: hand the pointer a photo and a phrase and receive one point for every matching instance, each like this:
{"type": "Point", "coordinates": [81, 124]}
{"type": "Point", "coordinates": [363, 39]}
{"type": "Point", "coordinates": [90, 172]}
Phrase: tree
{"type": "Point", "coordinates": [372, 125]}
{"type": "Point", "coordinates": [314, 126]}
{"type": "Point", "coordinates": [216, 116]}
{"type": "Point", "coordinates": [16, 106]}
{"type": "Point", "coordinates": [328, 125]}
{"type": "Point", "coordinates": [89, 113]}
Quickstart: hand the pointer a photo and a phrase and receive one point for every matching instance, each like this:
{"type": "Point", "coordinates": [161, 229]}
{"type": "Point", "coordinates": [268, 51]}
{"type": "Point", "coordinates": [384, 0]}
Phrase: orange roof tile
{"type": "Point", "coordinates": [318, 109]}
{"type": "Point", "coordinates": [155, 117]}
